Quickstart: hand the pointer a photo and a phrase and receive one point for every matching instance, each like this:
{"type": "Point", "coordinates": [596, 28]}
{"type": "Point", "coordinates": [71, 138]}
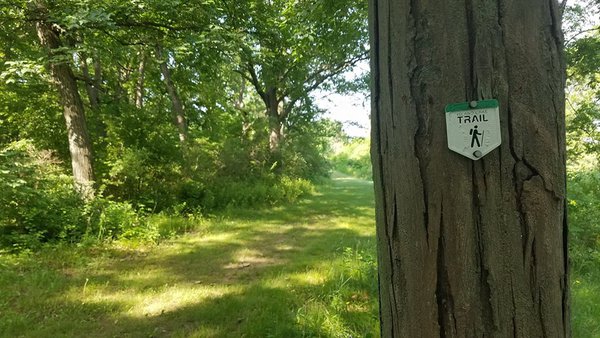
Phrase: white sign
{"type": "Point", "coordinates": [473, 128]}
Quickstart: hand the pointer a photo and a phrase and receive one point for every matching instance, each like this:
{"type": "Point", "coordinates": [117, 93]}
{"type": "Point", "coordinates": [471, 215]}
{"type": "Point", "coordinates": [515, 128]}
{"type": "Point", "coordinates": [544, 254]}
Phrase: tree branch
{"type": "Point", "coordinates": [255, 82]}
{"type": "Point", "coordinates": [325, 73]}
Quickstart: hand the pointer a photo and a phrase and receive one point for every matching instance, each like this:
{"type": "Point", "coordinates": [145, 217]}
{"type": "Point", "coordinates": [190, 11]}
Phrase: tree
{"type": "Point", "coordinates": [178, 113]}
{"type": "Point", "coordinates": [583, 88]}
{"type": "Point", "coordinates": [469, 248]}
{"type": "Point", "coordinates": [290, 48]}
{"type": "Point", "coordinates": [80, 145]}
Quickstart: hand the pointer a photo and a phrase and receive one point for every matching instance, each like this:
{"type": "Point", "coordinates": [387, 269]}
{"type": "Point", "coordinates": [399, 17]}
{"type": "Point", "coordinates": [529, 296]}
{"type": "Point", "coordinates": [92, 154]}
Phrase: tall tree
{"type": "Point", "coordinates": [469, 248]}
{"type": "Point", "coordinates": [290, 48]}
{"type": "Point", "coordinates": [80, 145]}
{"type": "Point", "coordinates": [178, 113]}
{"type": "Point", "coordinates": [582, 29]}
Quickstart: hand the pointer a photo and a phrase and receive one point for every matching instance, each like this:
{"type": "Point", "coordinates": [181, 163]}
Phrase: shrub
{"type": "Point", "coordinates": [109, 220]}
{"type": "Point", "coordinates": [38, 202]}
{"type": "Point", "coordinates": [135, 176]}
{"type": "Point", "coordinates": [256, 192]}
{"type": "Point", "coordinates": [353, 158]}
{"type": "Point", "coordinates": [584, 217]}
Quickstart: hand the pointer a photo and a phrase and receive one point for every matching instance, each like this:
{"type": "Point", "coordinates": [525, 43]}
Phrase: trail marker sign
{"type": "Point", "coordinates": [473, 128]}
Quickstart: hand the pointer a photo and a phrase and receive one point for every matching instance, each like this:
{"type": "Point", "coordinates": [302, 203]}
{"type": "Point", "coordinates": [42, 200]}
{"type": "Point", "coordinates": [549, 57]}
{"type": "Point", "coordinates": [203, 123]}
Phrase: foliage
{"type": "Point", "coordinates": [109, 220]}
{"type": "Point", "coordinates": [352, 157]}
{"type": "Point", "coordinates": [584, 216]}
{"type": "Point", "coordinates": [41, 204]}
{"type": "Point", "coordinates": [584, 230]}
{"type": "Point", "coordinates": [583, 86]}
{"type": "Point", "coordinates": [288, 49]}
{"type": "Point", "coordinates": [230, 193]}
{"type": "Point", "coordinates": [141, 166]}
{"type": "Point", "coordinates": [38, 202]}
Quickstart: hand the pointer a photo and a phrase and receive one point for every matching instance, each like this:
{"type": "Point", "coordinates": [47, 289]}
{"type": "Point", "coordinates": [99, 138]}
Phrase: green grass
{"type": "Point", "coordinates": [303, 270]}
{"type": "Point", "coordinates": [585, 291]}
{"type": "Point", "coordinates": [585, 294]}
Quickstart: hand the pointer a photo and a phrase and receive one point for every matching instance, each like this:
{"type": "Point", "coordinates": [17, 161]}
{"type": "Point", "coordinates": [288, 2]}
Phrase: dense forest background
{"type": "Point", "coordinates": [184, 108]}
{"type": "Point", "coordinates": [168, 107]}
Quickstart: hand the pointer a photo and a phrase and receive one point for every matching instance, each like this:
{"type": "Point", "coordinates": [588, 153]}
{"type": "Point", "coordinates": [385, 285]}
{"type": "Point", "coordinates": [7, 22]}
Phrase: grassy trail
{"type": "Point", "coordinates": [303, 270]}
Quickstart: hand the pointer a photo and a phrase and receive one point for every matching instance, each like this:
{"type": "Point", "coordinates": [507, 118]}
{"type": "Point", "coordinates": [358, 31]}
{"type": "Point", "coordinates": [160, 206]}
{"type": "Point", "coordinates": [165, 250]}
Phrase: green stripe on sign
{"type": "Point", "coordinates": [483, 104]}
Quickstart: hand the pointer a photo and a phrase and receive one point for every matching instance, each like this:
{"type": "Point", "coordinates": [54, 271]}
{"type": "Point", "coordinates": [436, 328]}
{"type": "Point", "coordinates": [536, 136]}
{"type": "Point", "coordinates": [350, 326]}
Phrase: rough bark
{"type": "Point", "coordinates": [469, 248]}
{"type": "Point", "coordinates": [80, 145]}
{"type": "Point", "coordinates": [276, 117]}
{"type": "Point", "coordinates": [275, 120]}
{"type": "Point", "coordinates": [178, 112]}
{"type": "Point", "coordinates": [275, 112]}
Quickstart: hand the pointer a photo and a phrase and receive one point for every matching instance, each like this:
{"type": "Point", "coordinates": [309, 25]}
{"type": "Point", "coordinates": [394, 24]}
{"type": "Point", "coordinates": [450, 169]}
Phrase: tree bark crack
{"type": "Point", "coordinates": [471, 78]}
{"type": "Point", "coordinates": [390, 74]}
{"type": "Point", "coordinates": [421, 134]}
{"type": "Point", "coordinates": [443, 291]}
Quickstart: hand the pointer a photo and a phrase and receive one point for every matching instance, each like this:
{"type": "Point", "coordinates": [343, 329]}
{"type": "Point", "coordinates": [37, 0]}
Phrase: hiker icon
{"type": "Point", "coordinates": [475, 134]}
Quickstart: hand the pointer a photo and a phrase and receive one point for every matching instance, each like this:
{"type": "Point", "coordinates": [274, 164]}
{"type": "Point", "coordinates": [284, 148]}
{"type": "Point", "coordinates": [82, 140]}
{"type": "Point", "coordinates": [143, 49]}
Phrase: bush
{"type": "Point", "coordinates": [109, 220]}
{"type": "Point", "coordinates": [269, 190]}
{"type": "Point", "coordinates": [353, 158]}
{"type": "Point", "coordinates": [38, 202]}
{"type": "Point", "coordinates": [136, 177]}
{"type": "Point", "coordinates": [584, 217]}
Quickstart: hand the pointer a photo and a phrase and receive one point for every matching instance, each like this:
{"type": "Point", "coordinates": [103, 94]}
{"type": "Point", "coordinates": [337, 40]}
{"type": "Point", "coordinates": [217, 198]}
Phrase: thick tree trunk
{"type": "Point", "coordinates": [275, 127]}
{"type": "Point", "coordinates": [276, 122]}
{"type": "Point", "coordinates": [80, 145]}
{"type": "Point", "coordinates": [469, 248]}
{"type": "Point", "coordinates": [178, 113]}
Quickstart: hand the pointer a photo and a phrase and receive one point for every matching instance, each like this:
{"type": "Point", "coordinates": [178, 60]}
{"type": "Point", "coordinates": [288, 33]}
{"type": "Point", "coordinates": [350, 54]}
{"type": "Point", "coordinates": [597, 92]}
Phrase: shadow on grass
{"type": "Point", "coordinates": [285, 272]}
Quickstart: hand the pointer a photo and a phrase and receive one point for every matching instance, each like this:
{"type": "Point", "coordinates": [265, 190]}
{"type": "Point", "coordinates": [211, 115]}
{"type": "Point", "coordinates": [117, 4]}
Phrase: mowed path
{"type": "Point", "coordinates": [302, 270]}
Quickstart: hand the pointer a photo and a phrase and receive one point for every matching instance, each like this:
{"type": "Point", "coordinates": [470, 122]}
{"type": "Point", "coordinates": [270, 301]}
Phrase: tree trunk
{"type": "Point", "coordinates": [469, 248]}
{"type": "Point", "coordinates": [97, 75]}
{"type": "Point", "coordinates": [139, 88]}
{"type": "Point", "coordinates": [178, 113]}
{"type": "Point", "coordinates": [276, 121]}
{"type": "Point", "coordinates": [90, 83]}
{"type": "Point", "coordinates": [275, 128]}
{"type": "Point", "coordinates": [80, 145]}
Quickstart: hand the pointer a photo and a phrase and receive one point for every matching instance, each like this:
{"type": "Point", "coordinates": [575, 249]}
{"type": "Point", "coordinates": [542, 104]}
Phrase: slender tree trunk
{"type": "Point", "coordinates": [469, 248]}
{"type": "Point", "coordinates": [139, 88]}
{"type": "Point", "coordinates": [97, 75]}
{"type": "Point", "coordinates": [92, 91]}
{"type": "Point", "coordinates": [239, 105]}
{"type": "Point", "coordinates": [120, 93]}
{"type": "Point", "coordinates": [80, 145]}
{"type": "Point", "coordinates": [239, 101]}
{"type": "Point", "coordinates": [178, 113]}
